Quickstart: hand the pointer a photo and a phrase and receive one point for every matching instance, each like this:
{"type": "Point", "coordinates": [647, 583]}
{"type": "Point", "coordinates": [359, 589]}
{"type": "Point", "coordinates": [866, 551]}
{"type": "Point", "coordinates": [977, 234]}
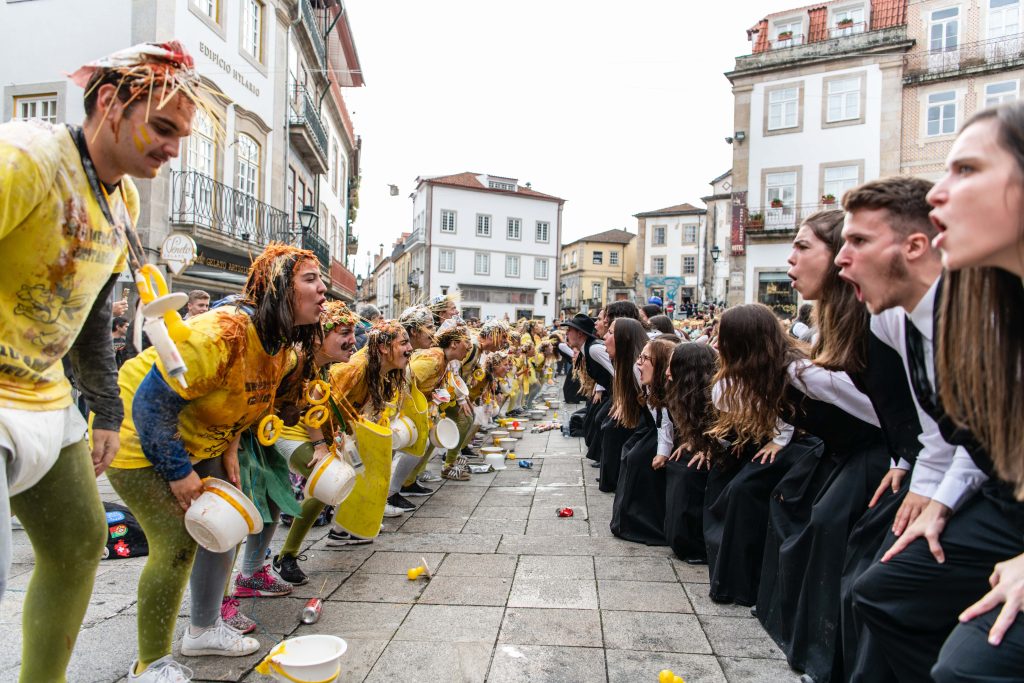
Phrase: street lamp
{"type": "Point", "coordinates": [308, 218]}
{"type": "Point", "coordinates": [359, 287]}
{"type": "Point", "coordinates": [715, 253]}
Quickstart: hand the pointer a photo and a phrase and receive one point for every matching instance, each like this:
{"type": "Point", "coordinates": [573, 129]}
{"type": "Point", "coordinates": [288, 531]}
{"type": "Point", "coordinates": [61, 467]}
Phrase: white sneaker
{"type": "Point", "coordinates": [163, 670]}
{"type": "Point", "coordinates": [219, 639]}
{"type": "Point", "coordinates": [428, 477]}
{"type": "Point", "coordinates": [393, 511]}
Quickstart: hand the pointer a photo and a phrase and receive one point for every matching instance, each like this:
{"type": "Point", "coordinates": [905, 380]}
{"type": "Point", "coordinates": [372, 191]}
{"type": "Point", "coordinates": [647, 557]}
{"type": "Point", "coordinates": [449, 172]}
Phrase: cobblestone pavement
{"type": "Point", "coordinates": [519, 594]}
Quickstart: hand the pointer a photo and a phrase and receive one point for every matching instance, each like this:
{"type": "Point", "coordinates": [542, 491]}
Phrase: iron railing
{"type": "Point", "coordinates": [197, 199]}
{"type": "Point", "coordinates": [317, 245]}
{"type": "Point", "coordinates": [780, 220]}
{"type": "Point", "coordinates": [984, 54]}
{"type": "Point", "coordinates": [313, 29]}
{"type": "Point", "coordinates": [304, 113]}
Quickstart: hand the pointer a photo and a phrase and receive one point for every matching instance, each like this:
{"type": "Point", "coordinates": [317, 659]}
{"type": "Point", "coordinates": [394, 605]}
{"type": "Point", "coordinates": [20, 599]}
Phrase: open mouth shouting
{"type": "Point", "coordinates": [940, 227]}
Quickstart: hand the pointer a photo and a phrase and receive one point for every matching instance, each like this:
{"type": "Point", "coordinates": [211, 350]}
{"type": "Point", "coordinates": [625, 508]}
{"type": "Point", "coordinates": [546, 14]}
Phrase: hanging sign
{"type": "Point", "coordinates": [178, 252]}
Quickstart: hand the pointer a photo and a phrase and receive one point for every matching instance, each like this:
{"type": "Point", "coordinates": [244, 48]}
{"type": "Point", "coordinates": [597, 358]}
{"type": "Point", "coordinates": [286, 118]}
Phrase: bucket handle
{"type": "Point", "coordinates": [268, 663]}
{"type": "Point", "coordinates": [230, 501]}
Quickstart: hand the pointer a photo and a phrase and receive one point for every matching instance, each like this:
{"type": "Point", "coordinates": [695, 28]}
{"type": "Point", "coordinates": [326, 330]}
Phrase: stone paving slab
{"type": "Point", "coordinates": [518, 595]}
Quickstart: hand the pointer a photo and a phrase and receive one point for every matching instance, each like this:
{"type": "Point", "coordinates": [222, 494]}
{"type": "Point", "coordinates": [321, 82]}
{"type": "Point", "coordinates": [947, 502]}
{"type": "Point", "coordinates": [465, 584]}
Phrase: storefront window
{"type": "Point", "coordinates": [775, 290]}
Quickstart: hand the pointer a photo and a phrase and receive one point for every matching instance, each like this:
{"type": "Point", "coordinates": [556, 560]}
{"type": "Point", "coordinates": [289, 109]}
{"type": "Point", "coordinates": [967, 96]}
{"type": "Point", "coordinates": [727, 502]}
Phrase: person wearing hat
{"type": "Point", "coordinates": [593, 367]}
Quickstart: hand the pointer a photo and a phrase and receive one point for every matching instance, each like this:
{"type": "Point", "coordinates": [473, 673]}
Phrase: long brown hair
{"type": "Point", "coordinates": [627, 403]}
{"type": "Point", "coordinates": [979, 359]}
{"type": "Point", "coordinates": [842, 321]}
{"type": "Point", "coordinates": [660, 351]}
{"type": "Point", "coordinates": [755, 356]}
{"type": "Point", "coordinates": [382, 387]}
{"type": "Point", "coordinates": [693, 369]}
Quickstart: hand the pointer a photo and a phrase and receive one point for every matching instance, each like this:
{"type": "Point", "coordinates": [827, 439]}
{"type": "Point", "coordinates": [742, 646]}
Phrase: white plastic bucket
{"type": "Point", "coordinates": [495, 460]}
{"type": "Point", "coordinates": [403, 433]}
{"type": "Point", "coordinates": [221, 517]}
{"type": "Point", "coordinates": [331, 480]}
{"type": "Point", "coordinates": [307, 659]}
{"type": "Point", "coordinates": [445, 434]}
{"type": "Point", "coordinates": [507, 443]}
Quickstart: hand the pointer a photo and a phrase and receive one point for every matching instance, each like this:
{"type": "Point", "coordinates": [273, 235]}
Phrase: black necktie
{"type": "Point", "coordinates": [917, 363]}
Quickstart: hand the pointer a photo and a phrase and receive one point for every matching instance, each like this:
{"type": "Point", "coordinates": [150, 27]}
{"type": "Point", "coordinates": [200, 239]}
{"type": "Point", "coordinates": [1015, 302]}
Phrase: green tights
{"type": "Point", "coordinates": [64, 519]}
{"type": "Point", "coordinates": [311, 507]}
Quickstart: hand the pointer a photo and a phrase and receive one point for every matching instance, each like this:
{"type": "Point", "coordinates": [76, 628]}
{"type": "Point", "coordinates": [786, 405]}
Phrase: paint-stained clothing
{"type": "Point", "coordinates": [59, 254]}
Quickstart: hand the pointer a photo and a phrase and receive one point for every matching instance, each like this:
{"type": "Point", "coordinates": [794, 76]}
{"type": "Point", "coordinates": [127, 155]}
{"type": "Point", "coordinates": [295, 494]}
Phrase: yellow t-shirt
{"type": "Point", "coordinates": [58, 251]}
{"type": "Point", "coordinates": [428, 368]}
{"type": "Point", "coordinates": [231, 382]}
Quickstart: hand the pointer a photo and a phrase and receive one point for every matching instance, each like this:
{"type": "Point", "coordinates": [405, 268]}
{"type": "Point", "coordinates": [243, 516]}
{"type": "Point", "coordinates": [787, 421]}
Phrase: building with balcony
{"type": "Point", "coordinates": [817, 110]}
{"type": "Point", "coordinates": [489, 237]}
{"type": "Point", "coordinates": [597, 269]}
{"type": "Point", "coordinates": [670, 251]}
{"type": "Point", "coordinates": [383, 275]}
{"type": "Point", "coordinates": [229, 193]}
{"type": "Point", "coordinates": [967, 56]}
{"type": "Point", "coordinates": [718, 244]}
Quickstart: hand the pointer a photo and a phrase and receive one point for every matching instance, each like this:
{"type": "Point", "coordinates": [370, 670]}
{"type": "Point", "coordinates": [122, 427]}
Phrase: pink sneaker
{"type": "Point", "coordinates": [230, 615]}
{"type": "Point", "coordinates": [262, 584]}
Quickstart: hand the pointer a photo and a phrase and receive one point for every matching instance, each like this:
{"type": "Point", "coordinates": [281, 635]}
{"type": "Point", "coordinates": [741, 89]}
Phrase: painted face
{"type": "Point", "coordinates": [609, 340]}
{"type": "Point", "coordinates": [978, 203]}
{"type": "Point", "coordinates": [450, 311]}
{"type": "Point", "coordinates": [646, 365]}
{"type": "Point", "coordinates": [307, 293]}
{"type": "Point", "coordinates": [398, 352]}
{"type": "Point", "coordinates": [461, 348]}
{"type": "Point", "coordinates": [339, 344]}
{"type": "Point", "coordinates": [141, 147]}
{"type": "Point", "coordinates": [808, 263]}
{"type": "Point", "coordinates": [872, 260]}
{"type": "Point", "coordinates": [422, 338]}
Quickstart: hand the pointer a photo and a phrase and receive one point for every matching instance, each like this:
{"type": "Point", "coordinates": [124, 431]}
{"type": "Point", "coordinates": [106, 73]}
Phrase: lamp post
{"type": "Point", "coordinates": [359, 287]}
{"type": "Point", "coordinates": [308, 218]}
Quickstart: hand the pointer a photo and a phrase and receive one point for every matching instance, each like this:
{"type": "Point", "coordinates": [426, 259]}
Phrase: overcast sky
{"type": "Point", "coordinates": [616, 107]}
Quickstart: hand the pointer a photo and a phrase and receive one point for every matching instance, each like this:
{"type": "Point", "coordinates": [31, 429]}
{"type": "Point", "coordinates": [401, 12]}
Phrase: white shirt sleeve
{"type": "Point", "coordinates": [832, 387]}
{"type": "Point", "coordinates": [901, 464]}
{"type": "Point", "coordinates": [960, 481]}
{"type": "Point", "coordinates": [600, 354]}
{"type": "Point", "coordinates": [666, 433]}
{"type": "Point", "coordinates": [783, 430]}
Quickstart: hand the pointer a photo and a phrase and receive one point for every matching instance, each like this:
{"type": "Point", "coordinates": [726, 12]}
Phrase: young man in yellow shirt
{"type": "Point", "coordinates": [67, 207]}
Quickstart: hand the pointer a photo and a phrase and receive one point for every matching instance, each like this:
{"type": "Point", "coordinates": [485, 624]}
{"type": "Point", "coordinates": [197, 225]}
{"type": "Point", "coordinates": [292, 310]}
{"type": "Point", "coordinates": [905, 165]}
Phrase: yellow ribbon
{"type": "Point", "coordinates": [232, 502]}
{"type": "Point", "coordinates": [269, 664]}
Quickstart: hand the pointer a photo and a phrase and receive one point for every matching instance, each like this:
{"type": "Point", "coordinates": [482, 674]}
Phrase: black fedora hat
{"type": "Point", "coordinates": [582, 322]}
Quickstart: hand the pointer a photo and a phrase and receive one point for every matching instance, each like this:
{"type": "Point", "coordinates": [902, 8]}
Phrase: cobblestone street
{"type": "Point", "coordinates": [519, 594]}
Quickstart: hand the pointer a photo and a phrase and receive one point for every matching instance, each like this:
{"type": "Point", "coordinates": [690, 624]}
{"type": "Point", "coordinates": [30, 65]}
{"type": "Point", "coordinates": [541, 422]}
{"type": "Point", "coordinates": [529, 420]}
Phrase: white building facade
{"type": "Point", "coordinates": [671, 256]}
{"type": "Point", "coordinates": [817, 112]}
{"type": "Point", "coordinates": [717, 262]}
{"type": "Point", "coordinates": [494, 241]}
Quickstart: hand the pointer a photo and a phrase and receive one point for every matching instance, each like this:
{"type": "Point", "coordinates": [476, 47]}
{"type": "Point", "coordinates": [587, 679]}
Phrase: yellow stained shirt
{"type": "Point", "coordinates": [58, 251]}
{"type": "Point", "coordinates": [231, 383]}
{"type": "Point", "coordinates": [428, 368]}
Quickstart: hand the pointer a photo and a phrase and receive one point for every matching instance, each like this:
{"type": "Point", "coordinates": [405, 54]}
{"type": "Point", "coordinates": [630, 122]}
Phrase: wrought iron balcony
{"type": "Point", "coordinates": [985, 55]}
{"type": "Point", "coordinates": [199, 200]}
{"type": "Point", "coordinates": [307, 132]}
{"type": "Point", "coordinates": [313, 29]}
{"type": "Point", "coordinates": [317, 245]}
{"type": "Point", "coordinates": [780, 221]}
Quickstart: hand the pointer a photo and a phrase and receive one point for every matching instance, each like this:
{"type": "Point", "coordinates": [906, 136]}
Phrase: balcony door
{"type": "Point", "coordinates": [780, 200]}
{"type": "Point", "coordinates": [1003, 30]}
{"type": "Point", "coordinates": [247, 151]}
{"type": "Point", "coordinates": [944, 39]}
{"type": "Point", "coordinates": [202, 164]}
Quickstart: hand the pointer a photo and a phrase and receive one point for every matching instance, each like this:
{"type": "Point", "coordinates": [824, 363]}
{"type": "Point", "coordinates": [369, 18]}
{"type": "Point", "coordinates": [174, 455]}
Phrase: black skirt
{"type": "Point", "coordinates": [684, 509]}
{"type": "Point", "coordinates": [812, 512]}
{"type": "Point", "coordinates": [596, 414]}
{"type": "Point", "coordinates": [638, 513]}
{"type": "Point", "coordinates": [736, 518]}
{"type": "Point", "coordinates": [571, 389]}
{"type": "Point", "coordinates": [613, 437]}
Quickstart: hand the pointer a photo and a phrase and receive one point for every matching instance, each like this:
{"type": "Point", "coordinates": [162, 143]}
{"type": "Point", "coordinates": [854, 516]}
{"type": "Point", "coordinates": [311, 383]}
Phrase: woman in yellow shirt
{"type": "Point", "coordinates": [173, 435]}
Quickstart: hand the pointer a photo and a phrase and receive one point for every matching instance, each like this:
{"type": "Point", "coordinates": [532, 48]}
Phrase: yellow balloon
{"type": "Point", "coordinates": [665, 676]}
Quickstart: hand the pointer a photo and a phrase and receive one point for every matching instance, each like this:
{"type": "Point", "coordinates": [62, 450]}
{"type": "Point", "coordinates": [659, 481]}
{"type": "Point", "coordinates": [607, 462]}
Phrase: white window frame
{"type": "Point", "coordinates": [942, 107]}
{"type": "Point", "coordinates": [252, 28]}
{"type": "Point", "coordinates": [687, 231]}
{"type": "Point", "coordinates": [595, 291]}
{"type": "Point", "coordinates": [994, 100]}
{"type": "Point", "coordinates": [1005, 28]}
{"type": "Point", "coordinates": [780, 108]}
{"type": "Point", "coordinates": [202, 147]}
{"type": "Point", "coordinates": [481, 263]}
{"type": "Point", "coordinates": [443, 256]}
{"type": "Point", "coordinates": [659, 239]}
{"type": "Point", "coordinates": [211, 8]}
{"type": "Point", "coordinates": [248, 181]}
{"type": "Point", "coordinates": [775, 187]}
{"type": "Point", "coordinates": [449, 221]}
{"type": "Point", "coordinates": [843, 178]}
{"type": "Point", "coordinates": [689, 258]}
{"type": "Point", "coordinates": [35, 107]}
{"type": "Point", "coordinates": [511, 265]}
{"type": "Point", "coordinates": [483, 225]}
{"type": "Point", "coordinates": [942, 45]}
{"type": "Point", "coordinates": [514, 228]}
{"type": "Point", "coordinates": [795, 25]}
{"type": "Point", "coordinates": [543, 233]}
{"type": "Point", "coordinates": [842, 99]}
{"type": "Point", "coordinates": [540, 269]}
{"type": "Point", "coordinates": [658, 265]}
{"type": "Point", "coordinates": [854, 12]}
{"type": "Point", "coordinates": [613, 257]}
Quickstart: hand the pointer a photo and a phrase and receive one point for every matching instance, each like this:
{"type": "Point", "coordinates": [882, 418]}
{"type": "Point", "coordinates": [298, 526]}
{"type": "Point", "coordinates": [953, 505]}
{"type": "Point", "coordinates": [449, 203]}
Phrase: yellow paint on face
{"type": "Point", "coordinates": [144, 130]}
{"type": "Point", "coordinates": [138, 143]}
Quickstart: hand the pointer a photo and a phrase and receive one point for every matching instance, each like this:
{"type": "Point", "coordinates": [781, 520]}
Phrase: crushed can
{"type": "Point", "coordinates": [565, 512]}
{"type": "Point", "coordinates": [311, 612]}
{"type": "Point", "coordinates": [526, 464]}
